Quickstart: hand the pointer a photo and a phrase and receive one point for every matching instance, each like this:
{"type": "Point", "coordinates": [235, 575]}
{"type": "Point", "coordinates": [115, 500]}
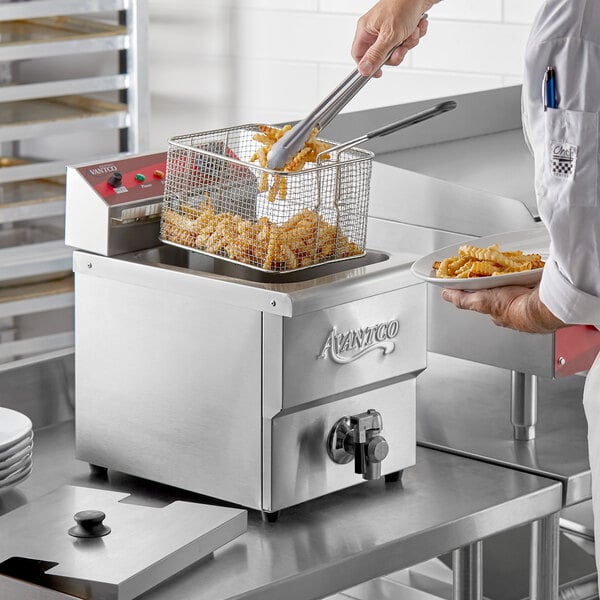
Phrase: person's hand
{"type": "Point", "coordinates": [515, 307]}
{"type": "Point", "coordinates": [388, 24]}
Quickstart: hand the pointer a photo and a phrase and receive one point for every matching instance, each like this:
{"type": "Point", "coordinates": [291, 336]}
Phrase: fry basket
{"type": "Point", "coordinates": [218, 202]}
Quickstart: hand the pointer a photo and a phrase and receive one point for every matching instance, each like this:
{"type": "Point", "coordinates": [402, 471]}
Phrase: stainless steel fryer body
{"type": "Point", "coordinates": [228, 388]}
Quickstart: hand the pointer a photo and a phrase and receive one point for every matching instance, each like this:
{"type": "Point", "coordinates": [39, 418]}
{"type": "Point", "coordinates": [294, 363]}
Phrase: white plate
{"type": "Point", "coordinates": [19, 478]}
{"type": "Point", "coordinates": [6, 473]}
{"type": "Point", "coordinates": [529, 241]}
{"type": "Point", "coordinates": [15, 458]}
{"type": "Point", "coordinates": [9, 452]}
{"type": "Point", "coordinates": [14, 426]}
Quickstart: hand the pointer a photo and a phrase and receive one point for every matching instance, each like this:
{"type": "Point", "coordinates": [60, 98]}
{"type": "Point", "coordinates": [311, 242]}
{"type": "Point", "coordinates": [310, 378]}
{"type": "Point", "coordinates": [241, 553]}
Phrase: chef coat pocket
{"type": "Point", "coordinates": [570, 169]}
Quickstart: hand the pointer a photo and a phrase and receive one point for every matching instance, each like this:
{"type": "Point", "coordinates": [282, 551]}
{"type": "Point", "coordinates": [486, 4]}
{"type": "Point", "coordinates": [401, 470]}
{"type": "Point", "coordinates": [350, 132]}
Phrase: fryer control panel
{"type": "Point", "coordinates": [127, 180]}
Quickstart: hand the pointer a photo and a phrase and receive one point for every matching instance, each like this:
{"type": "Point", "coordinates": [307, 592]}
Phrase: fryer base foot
{"type": "Point", "coordinates": [393, 477]}
{"type": "Point", "coordinates": [270, 517]}
{"type": "Point", "coordinates": [98, 471]}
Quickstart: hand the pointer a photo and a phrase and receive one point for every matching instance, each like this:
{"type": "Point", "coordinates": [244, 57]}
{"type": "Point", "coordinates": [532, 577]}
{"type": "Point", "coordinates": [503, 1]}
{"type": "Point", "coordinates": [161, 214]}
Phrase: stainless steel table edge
{"type": "Point", "coordinates": [467, 578]}
{"type": "Point", "coordinates": [575, 489]}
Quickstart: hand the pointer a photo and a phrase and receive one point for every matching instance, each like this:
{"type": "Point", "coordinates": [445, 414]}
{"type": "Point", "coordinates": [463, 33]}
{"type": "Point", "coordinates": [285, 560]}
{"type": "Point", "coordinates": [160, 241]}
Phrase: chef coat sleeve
{"type": "Point", "coordinates": [565, 143]}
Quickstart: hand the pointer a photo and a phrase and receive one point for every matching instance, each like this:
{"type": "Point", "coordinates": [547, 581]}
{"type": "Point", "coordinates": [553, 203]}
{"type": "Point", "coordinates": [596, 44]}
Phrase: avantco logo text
{"type": "Point", "coordinates": [102, 170]}
{"type": "Point", "coordinates": [348, 346]}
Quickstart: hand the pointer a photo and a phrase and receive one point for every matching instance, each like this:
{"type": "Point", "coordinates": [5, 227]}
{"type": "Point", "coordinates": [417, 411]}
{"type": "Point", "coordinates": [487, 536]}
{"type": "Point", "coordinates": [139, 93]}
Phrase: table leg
{"type": "Point", "coordinates": [467, 572]}
{"type": "Point", "coordinates": [523, 405]}
{"type": "Point", "coordinates": [543, 581]}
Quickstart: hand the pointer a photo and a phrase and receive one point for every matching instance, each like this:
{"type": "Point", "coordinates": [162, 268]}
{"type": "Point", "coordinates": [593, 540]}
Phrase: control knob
{"type": "Point", "coordinates": [115, 180]}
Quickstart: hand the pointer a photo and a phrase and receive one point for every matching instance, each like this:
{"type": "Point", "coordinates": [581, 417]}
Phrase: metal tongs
{"type": "Point", "coordinates": [292, 141]}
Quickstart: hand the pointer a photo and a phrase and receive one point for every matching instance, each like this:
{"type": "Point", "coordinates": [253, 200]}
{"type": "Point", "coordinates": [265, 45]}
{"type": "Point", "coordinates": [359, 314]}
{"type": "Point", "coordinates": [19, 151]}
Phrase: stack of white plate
{"type": "Point", "coordinates": [16, 445]}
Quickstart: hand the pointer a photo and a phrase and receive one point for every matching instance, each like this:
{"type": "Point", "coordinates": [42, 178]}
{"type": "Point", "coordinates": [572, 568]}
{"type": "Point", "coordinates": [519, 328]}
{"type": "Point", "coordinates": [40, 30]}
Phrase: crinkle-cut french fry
{"type": "Point", "coordinates": [297, 162]}
{"type": "Point", "coordinates": [263, 182]}
{"type": "Point", "coordinates": [271, 247]}
{"type": "Point", "coordinates": [442, 270]}
{"type": "Point", "coordinates": [282, 188]}
{"type": "Point", "coordinates": [491, 253]}
{"type": "Point", "coordinates": [263, 139]}
{"type": "Point", "coordinates": [274, 133]}
{"type": "Point", "coordinates": [262, 156]}
{"type": "Point", "coordinates": [275, 187]}
{"type": "Point", "coordinates": [482, 269]}
{"type": "Point", "coordinates": [537, 264]}
{"type": "Point", "coordinates": [460, 264]}
{"type": "Point", "coordinates": [290, 259]}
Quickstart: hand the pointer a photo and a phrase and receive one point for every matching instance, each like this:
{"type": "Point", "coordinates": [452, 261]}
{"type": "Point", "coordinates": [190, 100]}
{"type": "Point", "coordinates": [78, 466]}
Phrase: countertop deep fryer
{"type": "Point", "coordinates": [261, 389]}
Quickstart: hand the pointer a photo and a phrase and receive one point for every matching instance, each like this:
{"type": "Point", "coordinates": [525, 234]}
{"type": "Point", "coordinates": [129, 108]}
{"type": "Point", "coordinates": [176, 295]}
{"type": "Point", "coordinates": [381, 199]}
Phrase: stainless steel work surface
{"type": "Point", "coordinates": [480, 163]}
{"type": "Point", "coordinates": [330, 543]}
{"type": "Point", "coordinates": [464, 407]}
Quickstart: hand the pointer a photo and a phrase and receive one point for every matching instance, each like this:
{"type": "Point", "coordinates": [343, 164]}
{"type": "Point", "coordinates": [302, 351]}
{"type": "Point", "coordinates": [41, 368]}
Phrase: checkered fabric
{"type": "Point", "coordinates": [562, 167]}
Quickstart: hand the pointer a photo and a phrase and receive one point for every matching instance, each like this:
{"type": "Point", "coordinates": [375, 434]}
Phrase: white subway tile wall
{"type": "Point", "coordinates": [216, 63]}
{"type": "Point", "coordinates": [469, 47]}
{"type": "Point", "coordinates": [293, 53]}
{"type": "Point", "coordinates": [189, 68]}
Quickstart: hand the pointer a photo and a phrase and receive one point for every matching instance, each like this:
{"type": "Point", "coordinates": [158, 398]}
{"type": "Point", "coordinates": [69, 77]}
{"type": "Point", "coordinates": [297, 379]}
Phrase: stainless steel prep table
{"type": "Point", "coordinates": [445, 503]}
{"type": "Point", "coordinates": [463, 407]}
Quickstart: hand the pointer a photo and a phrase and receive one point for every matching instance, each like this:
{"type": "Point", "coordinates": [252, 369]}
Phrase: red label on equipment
{"type": "Point", "coordinates": [576, 348]}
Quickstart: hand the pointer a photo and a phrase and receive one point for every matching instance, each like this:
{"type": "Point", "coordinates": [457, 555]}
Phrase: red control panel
{"type": "Point", "coordinates": [129, 179]}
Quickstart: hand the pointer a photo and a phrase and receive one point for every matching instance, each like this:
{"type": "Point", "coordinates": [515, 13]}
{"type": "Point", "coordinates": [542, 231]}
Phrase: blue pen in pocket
{"type": "Point", "coordinates": [550, 89]}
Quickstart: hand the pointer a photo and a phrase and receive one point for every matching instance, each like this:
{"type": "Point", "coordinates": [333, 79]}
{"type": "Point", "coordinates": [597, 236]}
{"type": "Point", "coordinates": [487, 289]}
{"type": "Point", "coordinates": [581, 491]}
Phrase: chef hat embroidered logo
{"type": "Point", "coordinates": [563, 158]}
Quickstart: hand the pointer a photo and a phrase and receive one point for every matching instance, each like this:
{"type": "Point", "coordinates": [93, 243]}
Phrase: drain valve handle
{"type": "Point", "coordinates": [359, 436]}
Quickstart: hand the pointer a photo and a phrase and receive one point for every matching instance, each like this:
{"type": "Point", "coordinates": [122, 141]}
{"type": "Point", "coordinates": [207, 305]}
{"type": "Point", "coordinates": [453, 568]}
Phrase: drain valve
{"type": "Point", "coordinates": [359, 437]}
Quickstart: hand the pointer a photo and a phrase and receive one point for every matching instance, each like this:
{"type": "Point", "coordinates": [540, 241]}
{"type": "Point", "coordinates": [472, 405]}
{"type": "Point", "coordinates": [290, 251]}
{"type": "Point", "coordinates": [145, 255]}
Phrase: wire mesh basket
{"type": "Point", "coordinates": [220, 203]}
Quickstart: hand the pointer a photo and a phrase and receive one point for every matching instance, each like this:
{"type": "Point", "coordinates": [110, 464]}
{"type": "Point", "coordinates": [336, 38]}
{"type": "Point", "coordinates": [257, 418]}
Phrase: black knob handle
{"type": "Point", "coordinates": [89, 524]}
{"type": "Point", "coordinates": [115, 179]}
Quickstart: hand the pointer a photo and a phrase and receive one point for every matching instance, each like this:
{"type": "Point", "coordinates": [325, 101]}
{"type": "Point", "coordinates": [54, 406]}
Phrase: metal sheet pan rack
{"type": "Point", "coordinates": [72, 88]}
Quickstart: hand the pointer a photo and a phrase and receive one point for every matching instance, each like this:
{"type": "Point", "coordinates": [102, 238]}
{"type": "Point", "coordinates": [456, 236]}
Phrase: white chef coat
{"type": "Point", "coordinates": [566, 36]}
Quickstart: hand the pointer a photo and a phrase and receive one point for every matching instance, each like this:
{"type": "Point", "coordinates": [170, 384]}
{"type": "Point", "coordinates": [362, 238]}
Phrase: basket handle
{"type": "Point", "coordinates": [419, 117]}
